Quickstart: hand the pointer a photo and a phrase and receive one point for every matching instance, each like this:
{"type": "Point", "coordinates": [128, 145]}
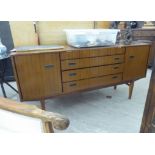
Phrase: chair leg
{"type": "Point", "coordinates": [11, 87]}
{"type": "Point", "coordinates": [115, 87]}
{"type": "Point", "coordinates": [3, 90]}
{"type": "Point", "coordinates": [131, 85]}
{"type": "Point", "coordinates": [43, 104]}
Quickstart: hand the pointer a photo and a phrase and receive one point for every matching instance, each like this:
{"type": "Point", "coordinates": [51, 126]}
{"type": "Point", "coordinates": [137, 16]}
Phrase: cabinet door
{"type": "Point", "coordinates": [38, 75]}
{"type": "Point", "coordinates": [136, 58]}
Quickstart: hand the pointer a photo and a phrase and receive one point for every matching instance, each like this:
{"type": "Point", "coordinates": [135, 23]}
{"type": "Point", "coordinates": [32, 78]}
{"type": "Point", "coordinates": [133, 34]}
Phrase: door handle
{"type": "Point", "coordinates": [72, 84]}
{"type": "Point", "coordinates": [115, 67]}
{"type": "Point", "coordinates": [114, 77]}
{"type": "Point", "coordinates": [72, 63]}
{"type": "Point", "coordinates": [117, 58]}
{"type": "Point", "coordinates": [131, 57]}
{"type": "Point", "coordinates": [72, 74]}
{"type": "Point", "coordinates": [48, 66]}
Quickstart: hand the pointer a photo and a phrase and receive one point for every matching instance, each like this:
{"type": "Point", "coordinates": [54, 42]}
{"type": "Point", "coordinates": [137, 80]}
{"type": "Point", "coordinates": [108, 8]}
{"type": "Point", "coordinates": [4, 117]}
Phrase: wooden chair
{"type": "Point", "coordinates": [23, 118]}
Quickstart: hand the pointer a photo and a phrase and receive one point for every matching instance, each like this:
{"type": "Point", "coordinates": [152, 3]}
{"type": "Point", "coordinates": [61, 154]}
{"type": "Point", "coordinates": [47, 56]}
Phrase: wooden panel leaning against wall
{"type": "Point", "coordinates": [50, 32]}
{"type": "Point", "coordinates": [23, 33]}
{"type": "Point", "coordinates": [102, 24]}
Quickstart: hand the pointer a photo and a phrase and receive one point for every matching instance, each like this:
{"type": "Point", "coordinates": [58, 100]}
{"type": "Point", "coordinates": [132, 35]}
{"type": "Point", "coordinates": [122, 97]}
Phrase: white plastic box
{"type": "Point", "coordinates": [91, 37]}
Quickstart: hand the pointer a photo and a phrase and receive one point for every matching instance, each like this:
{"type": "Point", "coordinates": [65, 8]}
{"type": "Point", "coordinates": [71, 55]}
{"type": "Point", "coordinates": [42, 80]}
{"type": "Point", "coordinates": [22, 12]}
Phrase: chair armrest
{"type": "Point", "coordinates": [58, 121]}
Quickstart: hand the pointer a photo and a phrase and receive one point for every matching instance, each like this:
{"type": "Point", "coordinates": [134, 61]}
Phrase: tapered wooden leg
{"type": "Point", "coordinates": [42, 102]}
{"type": "Point", "coordinates": [115, 87]}
{"type": "Point", "coordinates": [131, 85]}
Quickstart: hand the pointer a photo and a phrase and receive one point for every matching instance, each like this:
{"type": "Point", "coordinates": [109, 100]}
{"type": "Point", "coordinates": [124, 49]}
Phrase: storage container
{"type": "Point", "coordinates": [91, 37]}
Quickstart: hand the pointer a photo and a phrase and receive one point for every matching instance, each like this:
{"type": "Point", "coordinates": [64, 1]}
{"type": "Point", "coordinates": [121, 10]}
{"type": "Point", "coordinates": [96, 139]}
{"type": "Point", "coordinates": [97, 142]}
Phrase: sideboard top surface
{"type": "Point", "coordinates": [46, 49]}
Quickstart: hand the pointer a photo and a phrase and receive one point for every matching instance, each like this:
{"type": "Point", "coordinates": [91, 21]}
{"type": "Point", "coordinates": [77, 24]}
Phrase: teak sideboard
{"type": "Point", "coordinates": [46, 73]}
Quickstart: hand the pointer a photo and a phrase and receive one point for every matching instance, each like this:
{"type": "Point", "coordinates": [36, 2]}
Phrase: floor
{"type": "Point", "coordinates": [94, 112]}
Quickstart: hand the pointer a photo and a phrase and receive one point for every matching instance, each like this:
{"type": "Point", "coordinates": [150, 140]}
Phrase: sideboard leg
{"type": "Point", "coordinates": [131, 85]}
{"type": "Point", "coordinates": [115, 87]}
{"type": "Point", "coordinates": [42, 102]}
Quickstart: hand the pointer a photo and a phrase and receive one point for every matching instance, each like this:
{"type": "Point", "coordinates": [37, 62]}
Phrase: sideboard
{"type": "Point", "coordinates": [46, 73]}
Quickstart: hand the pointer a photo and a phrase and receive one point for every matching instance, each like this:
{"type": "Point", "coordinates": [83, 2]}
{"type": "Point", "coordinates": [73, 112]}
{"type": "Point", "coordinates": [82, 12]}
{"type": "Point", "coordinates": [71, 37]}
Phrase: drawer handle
{"type": "Point", "coordinates": [49, 66]}
{"type": "Point", "coordinates": [131, 57]}
{"type": "Point", "coordinates": [116, 67]}
{"type": "Point", "coordinates": [117, 58]}
{"type": "Point", "coordinates": [72, 84]}
{"type": "Point", "coordinates": [71, 63]}
{"type": "Point", "coordinates": [114, 77]}
{"type": "Point", "coordinates": [72, 74]}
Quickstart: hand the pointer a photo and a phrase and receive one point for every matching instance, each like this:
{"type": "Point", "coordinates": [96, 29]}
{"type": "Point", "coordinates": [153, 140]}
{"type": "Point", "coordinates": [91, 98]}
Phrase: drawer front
{"type": "Point", "coordinates": [90, 83]}
{"type": "Point", "coordinates": [90, 62]}
{"type": "Point", "coordinates": [85, 73]}
{"type": "Point", "coordinates": [91, 53]}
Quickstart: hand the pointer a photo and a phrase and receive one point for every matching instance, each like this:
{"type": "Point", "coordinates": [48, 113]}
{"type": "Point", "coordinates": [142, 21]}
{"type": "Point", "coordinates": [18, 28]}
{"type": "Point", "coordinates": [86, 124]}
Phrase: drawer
{"type": "Point", "coordinates": [85, 73]}
{"type": "Point", "coordinates": [90, 62]}
{"type": "Point", "coordinates": [76, 54]}
{"type": "Point", "coordinates": [90, 83]}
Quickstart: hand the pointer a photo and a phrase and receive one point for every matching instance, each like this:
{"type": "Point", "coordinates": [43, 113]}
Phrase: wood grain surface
{"type": "Point", "coordinates": [58, 121]}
